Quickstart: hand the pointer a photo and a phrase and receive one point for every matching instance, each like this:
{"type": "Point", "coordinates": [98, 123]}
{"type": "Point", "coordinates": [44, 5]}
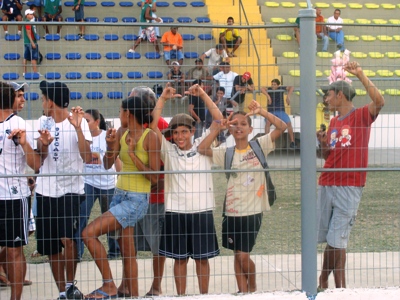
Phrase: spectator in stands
{"type": "Point", "coordinates": [177, 77]}
{"type": "Point", "coordinates": [320, 29]}
{"type": "Point", "coordinates": [246, 193]}
{"type": "Point", "coordinates": [173, 45]}
{"type": "Point", "coordinates": [199, 72]}
{"type": "Point", "coordinates": [242, 84]}
{"type": "Point", "coordinates": [58, 198]}
{"type": "Point", "coordinates": [189, 197]}
{"type": "Point", "coordinates": [11, 12]}
{"type": "Point", "coordinates": [339, 192]}
{"type": "Point", "coordinates": [215, 56]}
{"type": "Point", "coordinates": [276, 106]}
{"type": "Point", "coordinates": [52, 12]}
{"type": "Point", "coordinates": [230, 38]}
{"type": "Point", "coordinates": [79, 15]}
{"type": "Point", "coordinates": [153, 6]}
{"type": "Point", "coordinates": [138, 148]}
{"type": "Point", "coordinates": [226, 78]}
{"type": "Point", "coordinates": [36, 6]}
{"type": "Point", "coordinates": [17, 147]}
{"type": "Point", "coordinates": [335, 31]}
{"type": "Point", "coordinates": [197, 110]}
{"type": "Point", "coordinates": [148, 32]}
{"type": "Point", "coordinates": [31, 51]}
{"type": "Point", "coordinates": [222, 103]}
{"type": "Point", "coordinates": [97, 186]}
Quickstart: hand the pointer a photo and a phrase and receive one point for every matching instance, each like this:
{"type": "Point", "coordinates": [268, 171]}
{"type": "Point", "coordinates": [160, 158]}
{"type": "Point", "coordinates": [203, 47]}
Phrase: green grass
{"type": "Point", "coordinates": [376, 228]}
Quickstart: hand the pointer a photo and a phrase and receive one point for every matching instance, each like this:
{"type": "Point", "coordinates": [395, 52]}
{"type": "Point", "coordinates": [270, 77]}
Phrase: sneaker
{"type": "Point", "coordinates": [131, 51]}
{"type": "Point", "coordinates": [61, 297]}
{"type": "Point", "coordinates": [19, 33]}
{"type": "Point", "coordinates": [73, 292]}
{"type": "Point", "coordinates": [40, 75]}
{"type": "Point", "coordinates": [6, 34]}
{"type": "Point", "coordinates": [293, 146]}
{"type": "Point", "coordinates": [81, 36]}
{"type": "Point", "coordinates": [44, 37]}
{"type": "Point", "coordinates": [23, 75]}
{"type": "Point", "coordinates": [339, 46]}
{"type": "Point", "coordinates": [161, 53]}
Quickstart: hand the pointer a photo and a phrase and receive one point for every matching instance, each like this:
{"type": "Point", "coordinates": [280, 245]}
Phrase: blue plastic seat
{"type": "Point", "coordinates": [152, 55]}
{"type": "Point", "coordinates": [111, 37]}
{"type": "Point", "coordinates": [113, 55]}
{"type": "Point", "coordinates": [91, 37]}
{"type": "Point", "coordinates": [184, 20]}
{"type": "Point", "coordinates": [196, 4]}
{"type": "Point", "coordinates": [90, 3]}
{"type": "Point", "coordinates": [115, 95]}
{"type": "Point", "coordinates": [154, 74]}
{"type": "Point", "coordinates": [205, 36]}
{"type": "Point", "coordinates": [69, 19]}
{"type": "Point", "coordinates": [32, 76]}
{"type": "Point", "coordinates": [93, 55]}
{"type": "Point", "coordinates": [129, 20]}
{"type": "Point", "coordinates": [130, 37]}
{"type": "Point", "coordinates": [179, 4]}
{"type": "Point", "coordinates": [73, 55]}
{"type": "Point", "coordinates": [202, 20]}
{"type": "Point", "coordinates": [92, 19]}
{"type": "Point", "coordinates": [108, 3]}
{"type": "Point", "coordinates": [167, 19]}
{"type": "Point", "coordinates": [10, 76]}
{"type": "Point", "coordinates": [52, 37]}
{"type": "Point", "coordinates": [69, 3]}
{"type": "Point", "coordinates": [114, 75]}
{"type": "Point", "coordinates": [188, 37]}
{"type": "Point", "coordinates": [75, 95]}
{"type": "Point", "coordinates": [31, 96]}
{"type": "Point", "coordinates": [52, 75]}
{"type": "Point", "coordinates": [110, 19]}
{"type": "Point", "coordinates": [190, 55]}
{"type": "Point", "coordinates": [135, 55]}
{"type": "Point", "coordinates": [12, 37]}
{"type": "Point", "coordinates": [126, 4]}
{"type": "Point", "coordinates": [71, 37]}
{"type": "Point", "coordinates": [53, 56]}
{"type": "Point", "coordinates": [94, 75]}
{"type": "Point", "coordinates": [162, 4]}
{"type": "Point", "coordinates": [94, 95]}
{"type": "Point", "coordinates": [12, 56]}
{"type": "Point", "coordinates": [135, 75]}
{"type": "Point", "coordinates": [73, 75]}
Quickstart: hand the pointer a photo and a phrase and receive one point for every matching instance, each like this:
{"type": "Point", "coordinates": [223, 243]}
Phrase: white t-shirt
{"type": "Point", "coordinates": [246, 191]}
{"type": "Point", "coordinates": [187, 192]}
{"type": "Point", "coordinates": [99, 148]}
{"type": "Point", "coordinates": [13, 160]}
{"type": "Point", "coordinates": [226, 81]}
{"type": "Point", "coordinates": [63, 157]}
{"type": "Point", "coordinates": [214, 58]}
{"type": "Point", "coordinates": [333, 20]}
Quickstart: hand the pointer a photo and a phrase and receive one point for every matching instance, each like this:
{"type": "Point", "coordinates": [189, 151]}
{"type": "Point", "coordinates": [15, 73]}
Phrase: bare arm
{"type": "Point", "coordinates": [324, 149]}
{"type": "Point", "coordinates": [33, 158]}
{"type": "Point", "coordinates": [264, 91]}
{"type": "Point", "coordinates": [289, 90]}
{"type": "Point", "coordinates": [83, 145]}
{"type": "Point", "coordinates": [113, 147]}
{"type": "Point", "coordinates": [193, 113]}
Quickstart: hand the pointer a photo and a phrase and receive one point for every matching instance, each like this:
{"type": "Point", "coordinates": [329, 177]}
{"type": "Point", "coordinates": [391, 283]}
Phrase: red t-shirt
{"type": "Point", "coordinates": [348, 138]}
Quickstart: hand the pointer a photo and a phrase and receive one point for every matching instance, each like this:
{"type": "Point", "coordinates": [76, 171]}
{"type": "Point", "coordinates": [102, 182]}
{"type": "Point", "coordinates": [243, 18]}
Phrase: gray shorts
{"type": "Point", "coordinates": [148, 230]}
{"type": "Point", "coordinates": [336, 213]}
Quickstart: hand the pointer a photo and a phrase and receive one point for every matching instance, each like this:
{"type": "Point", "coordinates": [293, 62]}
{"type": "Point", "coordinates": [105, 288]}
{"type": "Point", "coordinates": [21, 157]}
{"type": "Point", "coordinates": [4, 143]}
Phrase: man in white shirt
{"type": "Point", "coordinates": [215, 56]}
{"type": "Point", "coordinates": [225, 79]}
{"type": "Point", "coordinates": [335, 32]}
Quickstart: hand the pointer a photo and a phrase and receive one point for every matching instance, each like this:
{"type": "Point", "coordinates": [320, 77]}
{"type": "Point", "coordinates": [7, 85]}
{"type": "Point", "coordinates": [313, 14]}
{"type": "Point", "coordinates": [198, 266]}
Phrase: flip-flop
{"type": "Point", "coordinates": [102, 293]}
{"type": "Point", "coordinates": [27, 282]}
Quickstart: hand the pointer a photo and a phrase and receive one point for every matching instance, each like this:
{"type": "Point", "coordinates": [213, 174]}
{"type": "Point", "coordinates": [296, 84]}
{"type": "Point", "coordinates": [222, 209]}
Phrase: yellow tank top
{"type": "Point", "coordinates": [133, 182]}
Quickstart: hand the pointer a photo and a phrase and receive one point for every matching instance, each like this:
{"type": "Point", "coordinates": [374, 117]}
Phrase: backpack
{"type": "Point", "coordinates": [255, 146]}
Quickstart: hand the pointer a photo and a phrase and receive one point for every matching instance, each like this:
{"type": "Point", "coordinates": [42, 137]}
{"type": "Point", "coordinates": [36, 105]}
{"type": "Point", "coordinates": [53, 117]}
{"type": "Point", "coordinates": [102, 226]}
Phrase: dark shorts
{"type": "Point", "coordinates": [189, 235]}
{"type": "Point", "coordinates": [240, 233]}
{"type": "Point", "coordinates": [231, 44]}
{"type": "Point", "coordinates": [30, 53]}
{"type": "Point", "coordinates": [14, 216]}
{"type": "Point", "coordinates": [56, 218]}
{"type": "Point", "coordinates": [79, 14]}
{"type": "Point", "coordinates": [13, 17]}
{"type": "Point", "coordinates": [46, 15]}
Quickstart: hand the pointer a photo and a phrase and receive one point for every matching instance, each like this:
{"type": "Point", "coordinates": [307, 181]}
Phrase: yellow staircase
{"type": "Point", "coordinates": [263, 68]}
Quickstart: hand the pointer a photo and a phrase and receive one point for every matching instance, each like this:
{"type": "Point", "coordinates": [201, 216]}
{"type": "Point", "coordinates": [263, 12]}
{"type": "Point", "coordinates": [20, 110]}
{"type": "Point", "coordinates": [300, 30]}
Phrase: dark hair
{"type": "Point", "coordinates": [197, 81]}
{"type": "Point", "coordinates": [220, 88]}
{"type": "Point", "coordinates": [277, 81]}
{"type": "Point", "coordinates": [243, 114]}
{"type": "Point", "coordinates": [231, 18]}
{"type": "Point", "coordinates": [7, 96]}
{"type": "Point", "coordinates": [337, 9]}
{"type": "Point", "coordinates": [97, 116]}
{"type": "Point", "coordinates": [139, 108]}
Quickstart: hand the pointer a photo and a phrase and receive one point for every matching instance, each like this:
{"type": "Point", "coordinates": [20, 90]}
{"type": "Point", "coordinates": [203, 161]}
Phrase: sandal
{"type": "Point", "coordinates": [27, 282]}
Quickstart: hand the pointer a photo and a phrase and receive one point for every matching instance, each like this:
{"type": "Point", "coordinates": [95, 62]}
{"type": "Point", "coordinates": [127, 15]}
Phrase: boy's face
{"type": "Point", "coordinates": [274, 85]}
{"type": "Point", "coordinates": [19, 101]}
{"type": "Point", "coordinates": [220, 94]}
{"type": "Point", "coordinates": [182, 137]}
{"type": "Point", "coordinates": [230, 22]}
{"type": "Point", "coordinates": [240, 129]}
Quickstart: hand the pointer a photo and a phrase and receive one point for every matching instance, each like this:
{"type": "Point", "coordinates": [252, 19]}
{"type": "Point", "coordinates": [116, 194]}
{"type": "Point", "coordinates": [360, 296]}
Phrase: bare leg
{"type": "Point", "coordinates": [245, 272]}
{"type": "Point", "coordinates": [137, 43]}
{"type": "Point", "coordinates": [237, 44]}
{"type": "Point", "coordinates": [16, 271]}
{"type": "Point", "coordinates": [24, 63]}
{"type": "Point", "coordinates": [334, 260]}
{"type": "Point", "coordinates": [180, 272]}
{"type": "Point", "coordinates": [70, 258]}
{"type": "Point", "coordinates": [290, 131]}
{"type": "Point", "coordinates": [57, 264]}
{"type": "Point", "coordinates": [34, 66]}
{"type": "Point", "coordinates": [158, 271]}
{"type": "Point", "coordinates": [130, 269]}
{"type": "Point", "coordinates": [203, 274]}
{"type": "Point", "coordinates": [82, 28]}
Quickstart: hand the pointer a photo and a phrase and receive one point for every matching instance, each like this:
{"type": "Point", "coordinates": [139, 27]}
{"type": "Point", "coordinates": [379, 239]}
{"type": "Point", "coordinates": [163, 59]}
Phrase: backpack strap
{"type": "Point", "coordinates": [228, 160]}
{"type": "Point", "coordinates": [256, 147]}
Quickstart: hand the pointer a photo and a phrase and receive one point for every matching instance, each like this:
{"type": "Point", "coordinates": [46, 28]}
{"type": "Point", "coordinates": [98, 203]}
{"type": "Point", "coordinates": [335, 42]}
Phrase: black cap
{"type": "Point", "coordinates": [57, 92]}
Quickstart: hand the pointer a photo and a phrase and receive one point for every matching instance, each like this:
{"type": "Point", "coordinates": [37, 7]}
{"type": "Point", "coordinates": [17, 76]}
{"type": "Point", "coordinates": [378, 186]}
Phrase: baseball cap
{"type": "Point", "coordinates": [174, 63]}
{"type": "Point", "coordinates": [57, 92]}
{"type": "Point", "coordinates": [346, 88]}
{"type": "Point", "coordinates": [29, 12]}
{"type": "Point", "coordinates": [198, 60]}
{"type": "Point", "coordinates": [17, 86]}
{"type": "Point", "coordinates": [178, 120]}
{"type": "Point", "coordinates": [246, 75]}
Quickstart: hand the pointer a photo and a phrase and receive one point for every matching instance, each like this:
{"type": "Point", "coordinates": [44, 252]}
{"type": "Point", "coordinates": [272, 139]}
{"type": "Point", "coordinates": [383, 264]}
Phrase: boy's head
{"type": "Point", "coordinates": [19, 89]}
{"type": "Point", "coordinates": [54, 96]}
{"type": "Point", "coordinates": [342, 87]}
{"type": "Point", "coordinates": [275, 83]}
{"type": "Point", "coordinates": [181, 129]}
{"type": "Point", "coordinates": [220, 91]}
{"type": "Point", "coordinates": [230, 21]}
{"type": "Point", "coordinates": [241, 127]}
{"type": "Point", "coordinates": [175, 65]}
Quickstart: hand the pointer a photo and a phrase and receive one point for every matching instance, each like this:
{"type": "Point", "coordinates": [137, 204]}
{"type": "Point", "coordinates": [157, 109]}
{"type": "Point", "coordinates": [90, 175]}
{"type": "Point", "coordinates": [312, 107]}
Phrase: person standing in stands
{"type": "Point", "coordinates": [31, 47]}
{"type": "Point", "coordinates": [242, 84]}
{"type": "Point", "coordinates": [79, 16]}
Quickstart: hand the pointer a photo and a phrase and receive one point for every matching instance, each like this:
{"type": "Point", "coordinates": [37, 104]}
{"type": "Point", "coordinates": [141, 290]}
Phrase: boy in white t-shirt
{"type": "Point", "coordinates": [246, 195]}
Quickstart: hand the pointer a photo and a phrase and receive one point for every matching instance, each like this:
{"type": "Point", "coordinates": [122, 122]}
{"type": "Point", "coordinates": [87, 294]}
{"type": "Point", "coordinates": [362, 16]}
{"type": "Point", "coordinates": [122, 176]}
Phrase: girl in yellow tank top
{"type": "Point", "coordinates": [139, 149]}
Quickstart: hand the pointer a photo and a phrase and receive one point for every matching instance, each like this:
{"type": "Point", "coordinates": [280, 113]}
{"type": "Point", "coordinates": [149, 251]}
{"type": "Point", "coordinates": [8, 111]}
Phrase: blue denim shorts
{"type": "Point", "coordinates": [281, 115]}
{"type": "Point", "coordinates": [173, 54]}
{"type": "Point", "coordinates": [129, 207]}
{"type": "Point", "coordinates": [30, 53]}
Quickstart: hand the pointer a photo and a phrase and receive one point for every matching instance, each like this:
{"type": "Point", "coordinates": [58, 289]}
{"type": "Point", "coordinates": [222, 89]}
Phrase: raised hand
{"type": "Point", "coordinates": [254, 108]}
{"type": "Point", "coordinates": [76, 116]}
{"type": "Point", "coordinates": [45, 137]}
{"type": "Point", "coordinates": [195, 90]}
{"type": "Point", "coordinates": [111, 137]}
{"type": "Point", "coordinates": [169, 92]}
{"type": "Point", "coordinates": [354, 68]}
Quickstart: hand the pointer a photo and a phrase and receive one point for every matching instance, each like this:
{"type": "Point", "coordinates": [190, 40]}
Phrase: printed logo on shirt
{"type": "Point", "coordinates": [344, 137]}
{"type": "Point", "coordinates": [56, 144]}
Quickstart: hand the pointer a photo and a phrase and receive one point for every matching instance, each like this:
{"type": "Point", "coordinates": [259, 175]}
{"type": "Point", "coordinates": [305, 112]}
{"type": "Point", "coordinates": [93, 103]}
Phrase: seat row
{"type": "Point", "coordinates": [93, 95]}
{"type": "Point", "coordinates": [352, 37]}
{"type": "Point", "coordinates": [338, 5]}
{"type": "Point", "coordinates": [363, 21]}
{"type": "Point", "coordinates": [356, 54]}
{"type": "Point", "coordinates": [369, 73]}
{"type": "Point", "coordinates": [130, 4]}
